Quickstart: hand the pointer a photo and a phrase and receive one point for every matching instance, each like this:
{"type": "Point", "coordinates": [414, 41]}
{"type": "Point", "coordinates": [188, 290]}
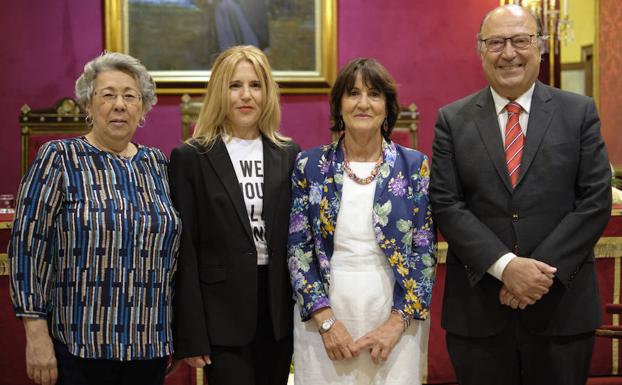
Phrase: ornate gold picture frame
{"type": "Point", "coordinates": [301, 43]}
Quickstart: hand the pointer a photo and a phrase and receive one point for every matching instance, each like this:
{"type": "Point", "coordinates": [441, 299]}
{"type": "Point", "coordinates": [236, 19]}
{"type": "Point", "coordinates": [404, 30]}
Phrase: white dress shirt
{"type": "Point", "coordinates": [497, 268]}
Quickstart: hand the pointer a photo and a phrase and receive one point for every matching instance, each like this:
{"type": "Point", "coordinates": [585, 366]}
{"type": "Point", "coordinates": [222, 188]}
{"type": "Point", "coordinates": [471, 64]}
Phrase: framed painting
{"type": "Point", "coordinates": [178, 40]}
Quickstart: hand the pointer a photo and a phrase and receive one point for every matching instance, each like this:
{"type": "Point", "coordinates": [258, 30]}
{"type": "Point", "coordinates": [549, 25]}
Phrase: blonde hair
{"type": "Point", "coordinates": [212, 122]}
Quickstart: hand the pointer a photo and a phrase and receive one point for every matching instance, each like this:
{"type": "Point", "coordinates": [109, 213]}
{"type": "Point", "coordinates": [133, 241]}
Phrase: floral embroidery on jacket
{"type": "Point", "coordinates": [401, 218]}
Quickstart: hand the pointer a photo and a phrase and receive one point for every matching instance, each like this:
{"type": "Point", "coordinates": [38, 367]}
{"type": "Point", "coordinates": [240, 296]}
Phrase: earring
{"type": "Point", "coordinates": [88, 120]}
{"type": "Point", "coordinates": [141, 122]}
{"type": "Point", "coordinates": [341, 124]}
{"type": "Point", "coordinates": [385, 126]}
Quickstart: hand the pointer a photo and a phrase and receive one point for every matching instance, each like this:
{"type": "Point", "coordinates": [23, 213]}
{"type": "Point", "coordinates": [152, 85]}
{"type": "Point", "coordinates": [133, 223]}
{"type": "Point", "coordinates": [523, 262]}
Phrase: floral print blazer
{"type": "Point", "coordinates": [401, 219]}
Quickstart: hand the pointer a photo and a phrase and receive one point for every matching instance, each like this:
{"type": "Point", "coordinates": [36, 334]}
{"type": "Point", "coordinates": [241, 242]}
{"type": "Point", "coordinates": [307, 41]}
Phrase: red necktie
{"type": "Point", "coordinates": [514, 140]}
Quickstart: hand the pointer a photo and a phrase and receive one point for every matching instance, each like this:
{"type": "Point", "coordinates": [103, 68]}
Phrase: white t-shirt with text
{"type": "Point", "coordinates": [247, 158]}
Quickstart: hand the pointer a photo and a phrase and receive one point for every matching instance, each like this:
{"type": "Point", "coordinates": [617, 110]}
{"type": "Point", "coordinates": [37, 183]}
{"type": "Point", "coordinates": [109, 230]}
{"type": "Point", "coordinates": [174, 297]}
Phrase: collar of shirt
{"type": "Point", "coordinates": [524, 101]}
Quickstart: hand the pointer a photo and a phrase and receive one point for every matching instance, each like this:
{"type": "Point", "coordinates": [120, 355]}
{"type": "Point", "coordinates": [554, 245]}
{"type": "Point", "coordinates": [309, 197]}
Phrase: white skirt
{"type": "Point", "coordinates": [361, 295]}
{"type": "Point", "coordinates": [362, 301]}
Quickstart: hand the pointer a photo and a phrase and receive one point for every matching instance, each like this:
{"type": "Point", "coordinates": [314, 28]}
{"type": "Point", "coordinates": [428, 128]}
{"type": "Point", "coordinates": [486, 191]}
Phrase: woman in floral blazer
{"type": "Point", "coordinates": [364, 105]}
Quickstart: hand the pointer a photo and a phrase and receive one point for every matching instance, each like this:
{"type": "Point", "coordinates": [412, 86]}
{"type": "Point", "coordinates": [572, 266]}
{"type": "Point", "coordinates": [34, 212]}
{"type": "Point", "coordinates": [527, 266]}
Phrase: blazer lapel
{"type": "Point", "coordinates": [221, 164]}
{"type": "Point", "coordinates": [389, 152]}
{"type": "Point", "coordinates": [272, 188]}
{"type": "Point", "coordinates": [539, 122]}
{"type": "Point", "coordinates": [337, 157]}
{"type": "Point", "coordinates": [488, 125]}
{"type": "Point", "coordinates": [332, 183]}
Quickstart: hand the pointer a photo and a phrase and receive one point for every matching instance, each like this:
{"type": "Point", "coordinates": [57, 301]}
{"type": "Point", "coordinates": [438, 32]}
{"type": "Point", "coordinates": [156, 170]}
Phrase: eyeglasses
{"type": "Point", "coordinates": [497, 44]}
{"type": "Point", "coordinates": [129, 97]}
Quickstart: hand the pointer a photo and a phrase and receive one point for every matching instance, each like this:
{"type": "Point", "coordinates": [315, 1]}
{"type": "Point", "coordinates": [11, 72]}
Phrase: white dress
{"type": "Point", "coordinates": [361, 295]}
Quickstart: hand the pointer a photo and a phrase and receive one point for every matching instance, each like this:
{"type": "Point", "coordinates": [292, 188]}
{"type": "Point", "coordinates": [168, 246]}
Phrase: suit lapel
{"type": "Point", "coordinates": [221, 164]}
{"type": "Point", "coordinates": [488, 126]}
{"type": "Point", "coordinates": [539, 122]}
{"type": "Point", "coordinates": [272, 169]}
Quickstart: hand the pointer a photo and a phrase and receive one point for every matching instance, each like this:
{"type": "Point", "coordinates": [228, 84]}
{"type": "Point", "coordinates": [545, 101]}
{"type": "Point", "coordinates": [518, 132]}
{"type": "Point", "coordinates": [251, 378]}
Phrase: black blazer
{"type": "Point", "coordinates": [215, 299]}
{"type": "Point", "coordinates": [555, 214]}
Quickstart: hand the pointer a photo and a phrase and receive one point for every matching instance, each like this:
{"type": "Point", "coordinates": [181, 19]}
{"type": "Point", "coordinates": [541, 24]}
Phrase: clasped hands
{"type": "Point", "coordinates": [525, 281]}
{"type": "Point", "coordinates": [340, 345]}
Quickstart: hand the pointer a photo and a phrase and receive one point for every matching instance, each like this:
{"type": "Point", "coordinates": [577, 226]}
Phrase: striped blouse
{"type": "Point", "coordinates": [94, 250]}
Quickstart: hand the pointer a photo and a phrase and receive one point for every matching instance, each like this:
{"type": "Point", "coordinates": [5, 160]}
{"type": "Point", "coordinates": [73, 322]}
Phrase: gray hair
{"type": "Point", "coordinates": [120, 62]}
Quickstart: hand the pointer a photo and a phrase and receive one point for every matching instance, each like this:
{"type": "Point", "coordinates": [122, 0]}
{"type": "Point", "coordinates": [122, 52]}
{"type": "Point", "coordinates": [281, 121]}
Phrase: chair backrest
{"type": "Point", "coordinates": [65, 119]}
{"type": "Point", "coordinates": [406, 127]}
{"type": "Point", "coordinates": [404, 133]}
{"type": "Point", "coordinates": [190, 108]}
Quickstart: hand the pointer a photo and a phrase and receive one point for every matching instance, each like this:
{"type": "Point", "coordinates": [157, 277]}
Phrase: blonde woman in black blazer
{"type": "Point", "coordinates": [233, 303]}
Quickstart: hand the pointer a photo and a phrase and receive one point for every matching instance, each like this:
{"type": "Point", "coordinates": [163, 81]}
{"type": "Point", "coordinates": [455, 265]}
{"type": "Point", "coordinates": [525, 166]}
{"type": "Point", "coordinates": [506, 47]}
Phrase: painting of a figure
{"type": "Point", "coordinates": [187, 35]}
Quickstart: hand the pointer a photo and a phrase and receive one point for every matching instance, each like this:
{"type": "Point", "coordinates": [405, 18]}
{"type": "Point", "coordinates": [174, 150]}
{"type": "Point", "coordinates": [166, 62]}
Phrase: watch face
{"type": "Point", "coordinates": [326, 325]}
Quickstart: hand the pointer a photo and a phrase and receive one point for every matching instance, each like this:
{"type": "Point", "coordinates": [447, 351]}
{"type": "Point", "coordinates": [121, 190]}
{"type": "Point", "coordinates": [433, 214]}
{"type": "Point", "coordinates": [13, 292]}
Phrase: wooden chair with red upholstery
{"type": "Point", "coordinates": [64, 119]}
{"type": "Point", "coordinates": [611, 330]}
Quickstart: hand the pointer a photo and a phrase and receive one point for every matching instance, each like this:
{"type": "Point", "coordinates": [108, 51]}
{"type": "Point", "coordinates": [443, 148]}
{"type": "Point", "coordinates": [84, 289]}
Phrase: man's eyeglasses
{"type": "Point", "coordinates": [129, 97]}
{"type": "Point", "coordinates": [497, 44]}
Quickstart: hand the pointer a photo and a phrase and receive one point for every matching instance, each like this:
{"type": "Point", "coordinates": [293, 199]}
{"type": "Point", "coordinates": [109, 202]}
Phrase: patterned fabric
{"type": "Point", "coordinates": [514, 139]}
{"type": "Point", "coordinates": [401, 218]}
{"type": "Point", "coordinates": [94, 250]}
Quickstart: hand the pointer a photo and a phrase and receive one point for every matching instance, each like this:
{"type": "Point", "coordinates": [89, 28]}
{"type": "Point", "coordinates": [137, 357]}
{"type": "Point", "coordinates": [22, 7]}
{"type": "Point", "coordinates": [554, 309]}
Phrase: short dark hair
{"type": "Point", "coordinates": [374, 75]}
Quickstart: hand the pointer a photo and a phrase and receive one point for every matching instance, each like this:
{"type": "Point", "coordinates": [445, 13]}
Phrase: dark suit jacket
{"type": "Point", "coordinates": [215, 301]}
{"type": "Point", "coordinates": [555, 214]}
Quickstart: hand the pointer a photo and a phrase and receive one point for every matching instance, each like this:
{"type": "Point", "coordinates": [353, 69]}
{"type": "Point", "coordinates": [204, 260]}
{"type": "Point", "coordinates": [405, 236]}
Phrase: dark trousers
{"type": "Point", "coordinates": [518, 357]}
{"type": "Point", "coordinates": [73, 370]}
{"type": "Point", "coordinates": [264, 361]}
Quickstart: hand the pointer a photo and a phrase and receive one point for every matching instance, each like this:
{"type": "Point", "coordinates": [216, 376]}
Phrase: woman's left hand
{"type": "Point", "coordinates": [381, 340]}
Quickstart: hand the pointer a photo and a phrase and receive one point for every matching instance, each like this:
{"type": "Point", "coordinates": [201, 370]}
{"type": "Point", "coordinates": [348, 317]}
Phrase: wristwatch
{"type": "Point", "coordinates": [326, 325]}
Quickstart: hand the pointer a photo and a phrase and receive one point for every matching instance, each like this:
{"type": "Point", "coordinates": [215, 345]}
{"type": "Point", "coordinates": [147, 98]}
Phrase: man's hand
{"type": "Point", "coordinates": [40, 358]}
{"type": "Point", "coordinates": [509, 299]}
{"type": "Point", "coordinates": [381, 340]}
{"type": "Point", "coordinates": [526, 280]}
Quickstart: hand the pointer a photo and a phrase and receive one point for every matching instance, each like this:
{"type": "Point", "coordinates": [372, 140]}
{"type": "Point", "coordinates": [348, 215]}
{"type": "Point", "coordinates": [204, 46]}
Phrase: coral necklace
{"type": "Point", "coordinates": [353, 176]}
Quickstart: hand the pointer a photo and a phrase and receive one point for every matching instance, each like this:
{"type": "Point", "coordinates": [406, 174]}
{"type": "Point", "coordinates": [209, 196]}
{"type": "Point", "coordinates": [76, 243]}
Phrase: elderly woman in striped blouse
{"type": "Point", "coordinates": [95, 240]}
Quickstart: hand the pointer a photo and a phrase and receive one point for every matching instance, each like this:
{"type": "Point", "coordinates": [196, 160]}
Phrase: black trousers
{"type": "Point", "coordinates": [73, 370]}
{"type": "Point", "coordinates": [264, 361]}
{"type": "Point", "coordinates": [518, 357]}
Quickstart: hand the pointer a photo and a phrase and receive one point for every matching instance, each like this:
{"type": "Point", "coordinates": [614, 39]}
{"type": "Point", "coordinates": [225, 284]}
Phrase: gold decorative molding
{"type": "Point", "coordinates": [200, 376]}
{"type": "Point", "coordinates": [615, 319]}
{"type": "Point", "coordinates": [6, 225]}
{"type": "Point", "coordinates": [4, 264]}
{"type": "Point", "coordinates": [441, 252]}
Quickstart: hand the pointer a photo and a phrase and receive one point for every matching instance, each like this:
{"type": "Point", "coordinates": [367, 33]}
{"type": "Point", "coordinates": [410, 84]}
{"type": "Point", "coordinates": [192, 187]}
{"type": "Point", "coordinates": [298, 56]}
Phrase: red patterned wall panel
{"type": "Point", "coordinates": [610, 79]}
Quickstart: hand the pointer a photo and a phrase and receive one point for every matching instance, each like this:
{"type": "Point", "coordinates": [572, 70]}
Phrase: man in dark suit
{"type": "Point", "coordinates": [520, 189]}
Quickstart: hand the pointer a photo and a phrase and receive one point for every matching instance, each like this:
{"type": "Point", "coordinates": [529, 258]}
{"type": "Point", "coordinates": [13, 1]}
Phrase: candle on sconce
{"type": "Point", "coordinates": [565, 7]}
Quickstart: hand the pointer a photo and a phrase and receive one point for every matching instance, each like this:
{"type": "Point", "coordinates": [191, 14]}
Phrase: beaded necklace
{"type": "Point", "coordinates": [353, 176]}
